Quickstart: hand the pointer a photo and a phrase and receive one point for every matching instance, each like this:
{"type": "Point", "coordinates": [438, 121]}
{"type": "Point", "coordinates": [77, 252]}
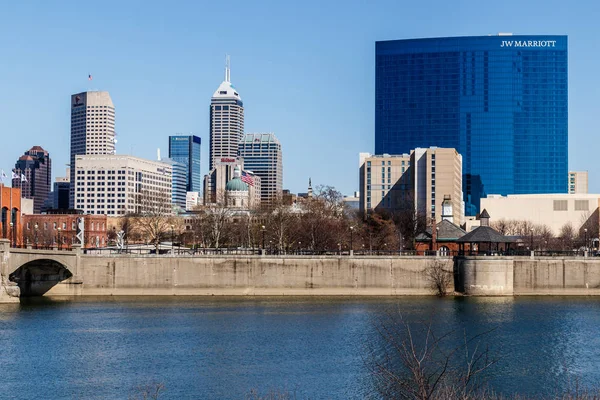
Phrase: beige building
{"type": "Point", "coordinates": [578, 182]}
{"type": "Point", "coordinates": [437, 173]}
{"type": "Point", "coordinates": [385, 181]}
{"type": "Point", "coordinates": [92, 129]}
{"type": "Point", "coordinates": [553, 210]}
{"type": "Point", "coordinates": [421, 179]}
{"type": "Point", "coordinates": [118, 185]}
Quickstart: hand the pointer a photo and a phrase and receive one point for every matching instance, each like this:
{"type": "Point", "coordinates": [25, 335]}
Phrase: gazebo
{"type": "Point", "coordinates": [442, 238]}
{"type": "Point", "coordinates": [484, 234]}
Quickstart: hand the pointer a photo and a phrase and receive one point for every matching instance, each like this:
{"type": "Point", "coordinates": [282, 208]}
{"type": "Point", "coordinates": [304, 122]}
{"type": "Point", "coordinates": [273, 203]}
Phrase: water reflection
{"type": "Point", "coordinates": [217, 347]}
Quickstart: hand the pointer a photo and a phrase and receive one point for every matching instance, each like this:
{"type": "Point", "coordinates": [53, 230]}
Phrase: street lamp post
{"type": "Point", "coordinates": [59, 242]}
{"type": "Point", "coordinates": [172, 239]}
{"type": "Point", "coordinates": [437, 235]}
{"type": "Point", "coordinates": [11, 234]}
{"type": "Point", "coordinates": [351, 241]}
{"type": "Point", "coordinates": [263, 238]}
{"type": "Point", "coordinates": [586, 241]}
{"type": "Point", "coordinates": [299, 247]}
{"type": "Point", "coordinates": [531, 230]}
{"type": "Point", "coordinates": [35, 235]}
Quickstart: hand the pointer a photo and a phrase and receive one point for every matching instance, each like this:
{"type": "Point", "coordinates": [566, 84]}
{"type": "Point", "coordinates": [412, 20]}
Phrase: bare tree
{"type": "Point", "coordinates": [154, 219]}
{"type": "Point", "coordinates": [281, 222]}
{"type": "Point", "coordinates": [218, 216]}
{"type": "Point", "coordinates": [566, 236]}
{"type": "Point", "coordinates": [439, 277]}
{"type": "Point", "coordinates": [150, 391]}
{"type": "Point", "coordinates": [411, 361]}
{"type": "Point", "coordinates": [409, 222]}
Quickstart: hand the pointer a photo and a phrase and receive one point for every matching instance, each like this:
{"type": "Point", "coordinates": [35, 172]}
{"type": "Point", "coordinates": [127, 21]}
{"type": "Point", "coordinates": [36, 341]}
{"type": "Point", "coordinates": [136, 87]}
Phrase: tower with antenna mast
{"type": "Point", "coordinates": [226, 120]}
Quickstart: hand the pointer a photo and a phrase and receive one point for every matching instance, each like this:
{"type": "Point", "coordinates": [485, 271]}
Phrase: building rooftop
{"type": "Point", "coordinates": [260, 137]}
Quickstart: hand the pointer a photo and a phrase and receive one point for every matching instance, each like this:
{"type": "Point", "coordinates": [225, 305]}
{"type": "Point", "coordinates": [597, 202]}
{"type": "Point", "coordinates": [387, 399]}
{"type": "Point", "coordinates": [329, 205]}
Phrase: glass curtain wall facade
{"type": "Point", "coordinates": [501, 101]}
{"type": "Point", "coordinates": [186, 150]}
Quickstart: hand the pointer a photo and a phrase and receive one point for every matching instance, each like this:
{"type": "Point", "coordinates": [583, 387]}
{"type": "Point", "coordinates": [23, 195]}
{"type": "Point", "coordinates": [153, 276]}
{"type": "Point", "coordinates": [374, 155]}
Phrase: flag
{"type": "Point", "coordinates": [3, 175]}
{"type": "Point", "coordinates": [23, 179]}
{"type": "Point", "coordinates": [14, 176]}
{"type": "Point", "coordinates": [89, 77]}
{"type": "Point", "coordinates": [247, 178]}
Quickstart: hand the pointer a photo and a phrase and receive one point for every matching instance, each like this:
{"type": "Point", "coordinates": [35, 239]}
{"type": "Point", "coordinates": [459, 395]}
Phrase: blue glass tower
{"type": "Point", "coordinates": [501, 101]}
{"type": "Point", "coordinates": [186, 150]}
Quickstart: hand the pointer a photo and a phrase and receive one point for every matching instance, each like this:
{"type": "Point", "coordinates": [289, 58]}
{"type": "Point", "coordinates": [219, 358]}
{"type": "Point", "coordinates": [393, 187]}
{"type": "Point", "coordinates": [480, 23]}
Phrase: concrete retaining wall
{"type": "Point", "coordinates": [505, 276]}
{"type": "Point", "coordinates": [571, 276]}
{"type": "Point", "coordinates": [250, 275]}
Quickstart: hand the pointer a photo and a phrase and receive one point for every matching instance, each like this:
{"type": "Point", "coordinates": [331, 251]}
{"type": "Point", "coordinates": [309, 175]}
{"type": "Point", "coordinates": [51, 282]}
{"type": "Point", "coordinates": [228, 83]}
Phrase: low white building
{"type": "Point", "coordinates": [116, 185]}
{"type": "Point", "coordinates": [553, 210]}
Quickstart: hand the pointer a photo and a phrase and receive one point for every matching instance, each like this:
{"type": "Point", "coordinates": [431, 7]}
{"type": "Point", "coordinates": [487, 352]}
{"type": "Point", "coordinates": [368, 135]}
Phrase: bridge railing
{"type": "Point", "coordinates": [257, 251]}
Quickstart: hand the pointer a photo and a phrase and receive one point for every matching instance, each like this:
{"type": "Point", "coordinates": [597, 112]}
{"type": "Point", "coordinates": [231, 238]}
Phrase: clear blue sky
{"type": "Point", "coordinates": [305, 71]}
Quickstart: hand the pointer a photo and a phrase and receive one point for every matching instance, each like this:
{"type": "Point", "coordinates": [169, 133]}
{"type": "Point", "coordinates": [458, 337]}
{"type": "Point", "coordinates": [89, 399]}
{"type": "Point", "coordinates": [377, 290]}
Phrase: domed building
{"type": "Point", "coordinates": [236, 191]}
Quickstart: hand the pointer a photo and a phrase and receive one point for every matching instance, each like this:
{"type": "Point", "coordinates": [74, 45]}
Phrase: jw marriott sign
{"type": "Point", "coordinates": [528, 43]}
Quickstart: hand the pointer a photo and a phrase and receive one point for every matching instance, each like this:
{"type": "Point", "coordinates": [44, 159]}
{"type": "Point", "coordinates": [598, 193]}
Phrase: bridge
{"type": "Point", "coordinates": [35, 272]}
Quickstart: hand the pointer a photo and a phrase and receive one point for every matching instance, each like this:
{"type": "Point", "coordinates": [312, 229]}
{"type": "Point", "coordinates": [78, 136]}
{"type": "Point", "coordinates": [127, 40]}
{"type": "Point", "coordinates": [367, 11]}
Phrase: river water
{"type": "Point", "coordinates": [222, 348]}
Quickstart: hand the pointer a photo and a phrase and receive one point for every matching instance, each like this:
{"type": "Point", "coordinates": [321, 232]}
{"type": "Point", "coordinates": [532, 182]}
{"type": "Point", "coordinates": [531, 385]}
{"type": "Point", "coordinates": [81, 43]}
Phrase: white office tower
{"type": "Point", "coordinates": [226, 120]}
{"type": "Point", "coordinates": [92, 129]}
{"type": "Point", "coordinates": [261, 153]}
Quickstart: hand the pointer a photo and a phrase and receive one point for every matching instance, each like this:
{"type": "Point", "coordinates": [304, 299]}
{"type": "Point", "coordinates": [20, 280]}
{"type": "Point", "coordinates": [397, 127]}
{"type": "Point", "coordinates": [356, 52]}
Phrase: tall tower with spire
{"type": "Point", "coordinates": [226, 120]}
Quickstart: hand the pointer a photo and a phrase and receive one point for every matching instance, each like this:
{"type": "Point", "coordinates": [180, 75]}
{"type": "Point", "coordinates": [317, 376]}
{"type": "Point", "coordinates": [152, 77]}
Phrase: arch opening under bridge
{"type": "Point", "coordinates": [37, 277]}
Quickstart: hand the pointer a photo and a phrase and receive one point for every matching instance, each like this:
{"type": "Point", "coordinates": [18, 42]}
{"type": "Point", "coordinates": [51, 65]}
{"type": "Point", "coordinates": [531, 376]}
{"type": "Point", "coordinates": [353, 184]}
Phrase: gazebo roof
{"type": "Point", "coordinates": [447, 232]}
{"type": "Point", "coordinates": [484, 234]}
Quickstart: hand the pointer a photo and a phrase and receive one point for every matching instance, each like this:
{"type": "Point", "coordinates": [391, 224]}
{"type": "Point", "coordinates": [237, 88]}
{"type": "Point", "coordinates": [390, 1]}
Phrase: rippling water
{"type": "Point", "coordinates": [205, 348]}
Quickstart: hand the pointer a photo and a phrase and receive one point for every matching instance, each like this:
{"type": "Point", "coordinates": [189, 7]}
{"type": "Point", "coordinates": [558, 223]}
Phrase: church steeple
{"type": "Point", "coordinates": [309, 193]}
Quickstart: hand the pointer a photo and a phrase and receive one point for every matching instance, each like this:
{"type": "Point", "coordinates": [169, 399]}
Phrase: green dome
{"type": "Point", "coordinates": [236, 185]}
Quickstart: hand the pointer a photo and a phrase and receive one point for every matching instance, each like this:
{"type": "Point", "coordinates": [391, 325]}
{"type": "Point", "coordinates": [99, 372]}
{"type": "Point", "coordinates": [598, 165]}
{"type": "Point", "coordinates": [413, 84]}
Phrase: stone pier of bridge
{"type": "Point", "coordinates": [9, 291]}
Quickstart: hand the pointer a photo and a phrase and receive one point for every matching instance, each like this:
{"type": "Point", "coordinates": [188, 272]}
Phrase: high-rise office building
{"type": "Point", "coordinates": [226, 121]}
{"type": "Point", "coordinates": [578, 182]}
{"type": "Point", "coordinates": [33, 175]}
{"type": "Point", "coordinates": [501, 101]}
{"type": "Point", "coordinates": [261, 153]}
{"type": "Point", "coordinates": [186, 150]}
{"type": "Point", "coordinates": [92, 129]}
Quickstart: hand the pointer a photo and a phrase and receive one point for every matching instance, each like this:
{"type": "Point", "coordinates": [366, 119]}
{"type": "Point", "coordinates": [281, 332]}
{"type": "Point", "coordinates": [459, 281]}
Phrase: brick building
{"type": "Point", "coordinates": [10, 214]}
{"type": "Point", "coordinates": [61, 228]}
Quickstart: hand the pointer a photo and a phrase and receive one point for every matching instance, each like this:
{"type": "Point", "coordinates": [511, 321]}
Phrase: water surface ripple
{"type": "Point", "coordinates": [220, 348]}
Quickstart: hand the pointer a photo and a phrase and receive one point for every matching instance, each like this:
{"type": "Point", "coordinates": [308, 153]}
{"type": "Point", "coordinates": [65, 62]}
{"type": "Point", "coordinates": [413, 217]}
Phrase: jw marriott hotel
{"type": "Point", "coordinates": [500, 100]}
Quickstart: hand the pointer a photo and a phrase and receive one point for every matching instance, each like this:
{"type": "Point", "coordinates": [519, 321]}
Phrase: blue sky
{"type": "Point", "coordinates": [305, 71]}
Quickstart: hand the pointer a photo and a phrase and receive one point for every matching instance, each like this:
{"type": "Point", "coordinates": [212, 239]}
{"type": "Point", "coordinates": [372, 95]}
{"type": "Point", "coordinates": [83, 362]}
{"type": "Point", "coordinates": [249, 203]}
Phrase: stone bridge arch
{"type": "Point", "coordinates": [36, 272]}
{"type": "Point", "coordinates": [36, 277]}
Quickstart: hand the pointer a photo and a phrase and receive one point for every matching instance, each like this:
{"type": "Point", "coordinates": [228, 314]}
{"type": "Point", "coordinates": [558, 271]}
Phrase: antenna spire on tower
{"type": "Point", "coordinates": [227, 68]}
